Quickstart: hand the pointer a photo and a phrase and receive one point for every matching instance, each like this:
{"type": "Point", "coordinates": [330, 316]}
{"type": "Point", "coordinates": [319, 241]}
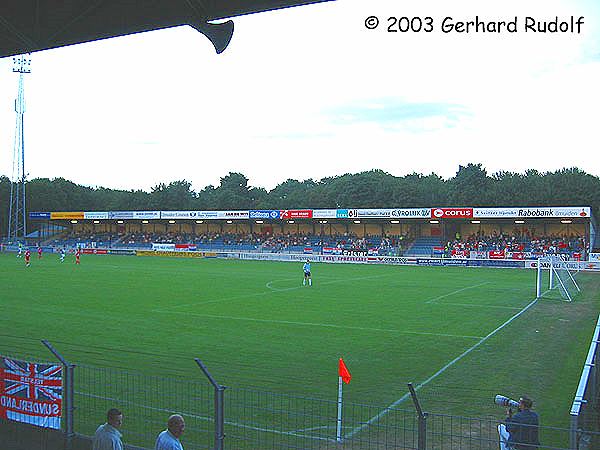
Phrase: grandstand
{"type": "Point", "coordinates": [497, 233]}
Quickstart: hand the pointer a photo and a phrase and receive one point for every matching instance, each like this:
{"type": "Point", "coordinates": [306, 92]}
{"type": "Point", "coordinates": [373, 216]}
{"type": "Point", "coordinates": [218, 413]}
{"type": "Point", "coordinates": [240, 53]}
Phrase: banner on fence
{"type": "Point", "coordinates": [31, 392]}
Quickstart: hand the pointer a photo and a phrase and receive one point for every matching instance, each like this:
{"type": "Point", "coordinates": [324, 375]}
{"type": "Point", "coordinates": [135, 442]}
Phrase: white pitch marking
{"type": "Point", "coordinates": [258, 294]}
{"type": "Point", "coordinates": [456, 292]}
{"type": "Point", "coordinates": [435, 375]}
{"type": "Point", "coordinates": [324, 325]}
{"type": "Point", "coordinates": [516, 308]}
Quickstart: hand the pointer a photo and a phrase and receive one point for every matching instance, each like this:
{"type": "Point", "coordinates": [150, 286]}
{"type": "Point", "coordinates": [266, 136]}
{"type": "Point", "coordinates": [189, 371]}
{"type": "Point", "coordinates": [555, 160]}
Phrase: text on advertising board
{"type": "Point", "coordinates": [452, 213]}
{"type": "Point", "coordinates": [296, 214]}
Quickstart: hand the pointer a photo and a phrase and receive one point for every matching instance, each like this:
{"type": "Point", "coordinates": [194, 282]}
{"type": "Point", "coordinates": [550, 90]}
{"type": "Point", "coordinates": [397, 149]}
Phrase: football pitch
{"type": "Point", "coordinates": [462, 335]}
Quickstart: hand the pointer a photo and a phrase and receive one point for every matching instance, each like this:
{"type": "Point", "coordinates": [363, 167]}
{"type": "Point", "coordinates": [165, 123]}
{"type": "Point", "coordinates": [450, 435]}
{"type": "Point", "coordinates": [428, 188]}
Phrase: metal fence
{"type": "Point", "coordinates": [585, 412]}
{"type": "Point", "coordinates": [238, 418]}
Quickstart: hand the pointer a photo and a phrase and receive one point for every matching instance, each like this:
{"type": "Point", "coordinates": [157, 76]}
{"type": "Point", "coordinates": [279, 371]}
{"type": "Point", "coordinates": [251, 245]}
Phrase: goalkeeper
{"type": "Point", "coordinates": [307, 275]}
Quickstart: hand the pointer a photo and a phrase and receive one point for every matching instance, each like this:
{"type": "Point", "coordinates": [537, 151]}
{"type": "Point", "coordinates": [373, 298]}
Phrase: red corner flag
{"type": "Point", "coordinates": [343, 372]}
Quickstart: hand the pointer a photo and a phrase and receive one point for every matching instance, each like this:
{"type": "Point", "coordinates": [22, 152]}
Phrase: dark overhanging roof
{"type": "Point", "coordinates": [32, 25]}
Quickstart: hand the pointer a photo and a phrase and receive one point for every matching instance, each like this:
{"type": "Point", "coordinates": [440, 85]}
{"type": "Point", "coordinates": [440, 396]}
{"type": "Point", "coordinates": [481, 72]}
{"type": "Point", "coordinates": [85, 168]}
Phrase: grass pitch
{"type": "Point", "coordinates": [464, 334]}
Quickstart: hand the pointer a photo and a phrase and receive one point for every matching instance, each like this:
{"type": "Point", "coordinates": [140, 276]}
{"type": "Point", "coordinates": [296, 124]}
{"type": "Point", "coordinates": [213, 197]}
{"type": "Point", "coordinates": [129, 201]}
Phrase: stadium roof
{"type": "Point", "coordinates": [32, 25]}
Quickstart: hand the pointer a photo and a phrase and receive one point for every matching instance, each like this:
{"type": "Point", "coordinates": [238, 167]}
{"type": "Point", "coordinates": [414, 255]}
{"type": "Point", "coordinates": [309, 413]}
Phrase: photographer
{"type": "Point", "coordinates": [520, 431]}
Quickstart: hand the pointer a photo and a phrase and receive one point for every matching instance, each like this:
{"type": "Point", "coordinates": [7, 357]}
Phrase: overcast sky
{"type": "Point", "coordinates": [309, 92]}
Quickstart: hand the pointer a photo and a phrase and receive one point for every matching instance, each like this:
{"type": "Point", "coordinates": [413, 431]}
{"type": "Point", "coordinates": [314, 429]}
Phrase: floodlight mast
{"type": "Point", "coordinates": [17, 220]}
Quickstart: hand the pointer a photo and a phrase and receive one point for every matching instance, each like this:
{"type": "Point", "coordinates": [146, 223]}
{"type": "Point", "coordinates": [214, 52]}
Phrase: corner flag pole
{"type": "Point", "coordinates": [339, 414]}
{"type": "Point", "coordinates": [343, 377]}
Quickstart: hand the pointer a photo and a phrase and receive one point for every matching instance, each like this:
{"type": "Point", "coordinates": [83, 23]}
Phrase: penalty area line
{"type": "Point", "coordinates": [382, 413]}
{"type": "Point", "coordinates": [431, 300]}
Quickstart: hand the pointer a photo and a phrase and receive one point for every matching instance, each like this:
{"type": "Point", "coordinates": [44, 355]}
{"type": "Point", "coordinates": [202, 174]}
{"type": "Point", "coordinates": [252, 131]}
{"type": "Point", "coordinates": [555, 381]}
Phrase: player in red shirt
{"type": "Point", "coordinates": [39, 252]}
{"type": "Point", "coordinates": [77, 255]}
{"type": "Point", "coordinates": [27, 257]}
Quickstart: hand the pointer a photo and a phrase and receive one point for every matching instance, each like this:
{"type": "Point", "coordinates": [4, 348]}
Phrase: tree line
{"type": "Point", "coordinates": [471, 186]}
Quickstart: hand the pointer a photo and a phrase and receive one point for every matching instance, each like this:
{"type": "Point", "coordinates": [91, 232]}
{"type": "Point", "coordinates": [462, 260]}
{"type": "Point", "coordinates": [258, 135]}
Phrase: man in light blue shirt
{"type": "Point", "coordinates": [108, 436]}
{"type": "Point", "coordinates": [169, 439]}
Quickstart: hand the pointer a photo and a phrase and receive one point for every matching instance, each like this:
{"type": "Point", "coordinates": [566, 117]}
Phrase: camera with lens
{"type": "Point", "coordinates": [501, 400]}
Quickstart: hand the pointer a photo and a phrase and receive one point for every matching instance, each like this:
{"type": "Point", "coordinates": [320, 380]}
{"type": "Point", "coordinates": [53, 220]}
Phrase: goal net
{"type": "Point", "coordinates": [556, 277]}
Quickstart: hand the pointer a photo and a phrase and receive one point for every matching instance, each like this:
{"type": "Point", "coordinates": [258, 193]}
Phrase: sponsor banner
{"type": "Point", "coordinates": [296, 214]}
{"type": "Point", "coordinates": [411, 213]}
{"type": "Point", "coordinates": [455, 262]}
{"type": "Point", "coordinates": [571, 265]}
{"type": "Point", "coordinates": [31, 392]}
{"type": "Point", "coordinates": [39, 215]}
{"type": "Point", "coordinates": [430, 262]}
{"type": "Point", "coordinates": [120, 215]}
{"type": "Point", "coordinates": [452, 213]}
{"type": "Point", "coordinates": [491, 213]}
{"type": "Point", "coordinates": [95, 215]}
{"type": "Point", "coordinates": [496, 254]}
{"type": "Point", "coordinates": [195, 215]}
{"type": "Point", "coordinates": [475, 254]}
{"type": "Point", "coordinates": [367, 213]}
{"type": "Point", "coordinates": [595, 257]}
{"type": "Point", "coordinates": [554, 212]}
{"type": "Point", "coordinates": [174, 253]}
{"type": "Point", "coordinates": [146, 215]}
{"type": "Point", "coordinates": [94, 251]}
{"type": "Point", "coordinates": [515, 255]}
{"type": "Point", "coordinates": [163, 247]}
{"type": "Point", "coordinates": [121, 251]}
{"type": "Point", "coordinates": [269, 214]}
{"type": "Point", "coordinates": [66, 215]}
{"type": "Point", "coordinates": [232, 214]}
{"type": "Point", "coordinates": [392, 213]}
{"type": "Point", "coordinates": [495, 263]}
{"type": "Point", "coordinates": [332, 251]}
{"type": "Point", "coordinates": [325, 214]}
{"type": "Point", "coordinates": [179, 214]}
{"type": "Point", "coordinates": [460, 254]}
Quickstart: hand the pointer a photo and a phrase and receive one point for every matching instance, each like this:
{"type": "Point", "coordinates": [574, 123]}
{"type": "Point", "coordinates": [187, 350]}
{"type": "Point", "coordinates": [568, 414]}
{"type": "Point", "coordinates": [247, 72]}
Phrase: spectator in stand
{"type": "Point", "coordinates": [108, 436]}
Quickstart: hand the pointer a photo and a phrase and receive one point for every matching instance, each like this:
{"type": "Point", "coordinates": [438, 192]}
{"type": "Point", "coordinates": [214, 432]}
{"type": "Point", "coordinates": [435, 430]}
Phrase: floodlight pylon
{"type": "Point", "coordinates": [17, 219]}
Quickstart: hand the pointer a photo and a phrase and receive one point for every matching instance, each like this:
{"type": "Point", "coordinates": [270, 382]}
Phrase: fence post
{"type": "Point", "coordinates": [219, 407]}
{"type": "Point", "coordinates": [422, 417]}
{"type": "Point", "coordinates": [69, 394]}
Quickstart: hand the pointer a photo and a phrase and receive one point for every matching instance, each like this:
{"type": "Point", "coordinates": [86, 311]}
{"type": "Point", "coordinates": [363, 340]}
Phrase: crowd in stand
{"type": "Point", "coordinates": [263, 241]}
{"type": "Point", "coordinates": [518, 242]}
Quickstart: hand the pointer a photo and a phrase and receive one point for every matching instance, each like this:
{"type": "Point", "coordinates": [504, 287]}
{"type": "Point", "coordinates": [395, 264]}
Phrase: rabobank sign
{"type": "Point", "coordinates": [264, 214]}
{"type": "Point", "coordinates": [341, 214]}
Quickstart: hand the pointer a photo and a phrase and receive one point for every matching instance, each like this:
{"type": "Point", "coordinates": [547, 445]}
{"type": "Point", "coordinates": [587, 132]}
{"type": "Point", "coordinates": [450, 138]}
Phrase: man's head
{"type": "Point", "coordinates": [176, 425]}
{"type": "Point", "coordinates": [525, 402]}
{"type": "Point", "coordinates": [114, 417]}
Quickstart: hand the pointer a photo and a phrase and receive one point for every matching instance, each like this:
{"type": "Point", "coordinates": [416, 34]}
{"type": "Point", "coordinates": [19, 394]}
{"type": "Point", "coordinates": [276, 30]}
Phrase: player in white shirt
{"type": "Point", "coordinates": [307, 275]}
{"type": "Point", "coordinates": [62, 254]}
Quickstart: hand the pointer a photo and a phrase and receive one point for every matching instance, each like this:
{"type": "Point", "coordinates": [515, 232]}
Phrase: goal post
{"type": "Point", "coordinates": [559, 278]}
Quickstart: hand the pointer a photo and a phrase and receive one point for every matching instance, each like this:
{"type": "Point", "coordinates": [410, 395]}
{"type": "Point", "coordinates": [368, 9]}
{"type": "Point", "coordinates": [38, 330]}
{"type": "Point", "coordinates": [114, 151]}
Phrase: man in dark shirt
{"type": "Point", "coordinates": [521, 430]}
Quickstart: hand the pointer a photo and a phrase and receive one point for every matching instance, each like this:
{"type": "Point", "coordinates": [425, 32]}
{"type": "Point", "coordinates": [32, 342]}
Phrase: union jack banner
{"type": "Point", "coordinates": [31, 392]}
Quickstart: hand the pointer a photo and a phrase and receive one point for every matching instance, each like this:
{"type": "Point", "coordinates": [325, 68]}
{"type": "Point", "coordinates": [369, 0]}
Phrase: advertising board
{"type": "Point", "coordinates": [452, 213]}
{"type": "Point", "coordinates": [265, 214]}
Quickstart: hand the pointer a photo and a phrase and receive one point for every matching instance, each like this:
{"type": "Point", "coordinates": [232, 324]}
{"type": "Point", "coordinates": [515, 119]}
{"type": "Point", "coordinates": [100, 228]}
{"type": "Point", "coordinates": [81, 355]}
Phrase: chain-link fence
{"type": "Point", "coordinates": [238, 418]}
